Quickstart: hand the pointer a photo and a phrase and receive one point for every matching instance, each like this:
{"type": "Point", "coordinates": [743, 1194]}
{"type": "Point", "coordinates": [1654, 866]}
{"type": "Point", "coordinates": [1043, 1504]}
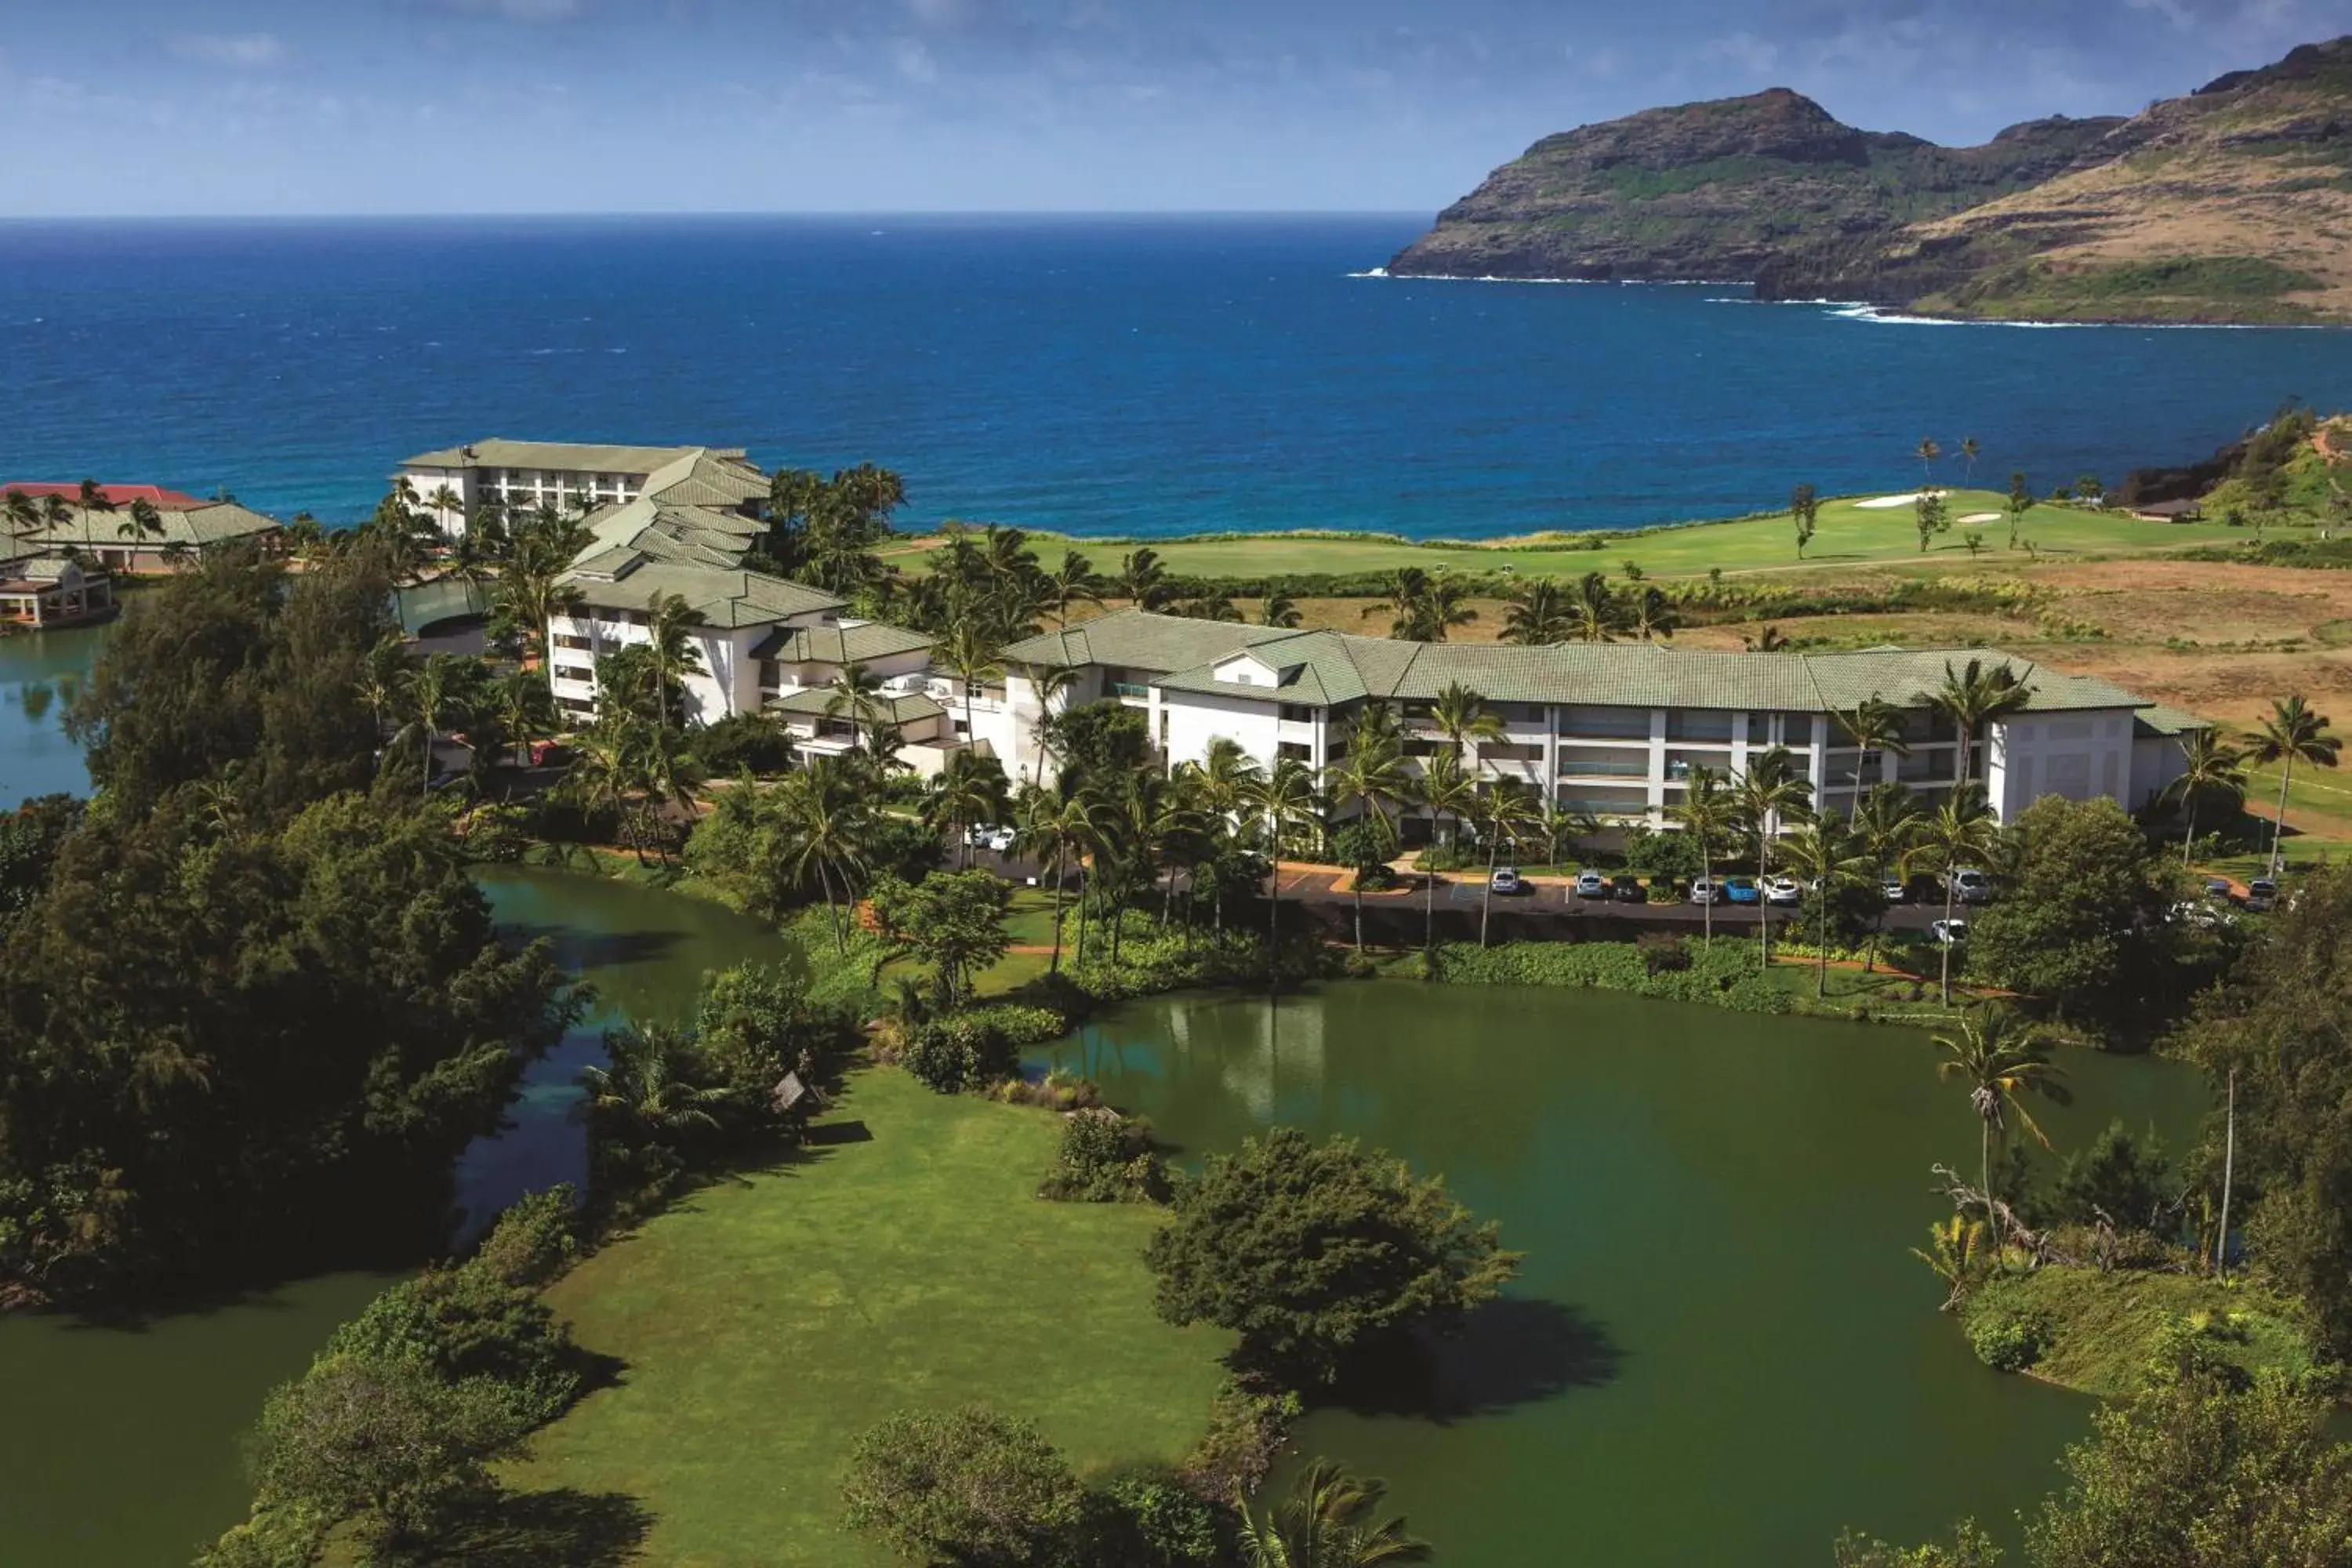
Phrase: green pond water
{"type": "Point", "coordinates": [119, 1446]}
{"type": "Point", "coordinates": [1720, 1350]}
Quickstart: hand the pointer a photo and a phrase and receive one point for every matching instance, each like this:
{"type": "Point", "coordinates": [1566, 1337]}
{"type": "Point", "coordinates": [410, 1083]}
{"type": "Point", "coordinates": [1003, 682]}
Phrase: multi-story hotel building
{"type": "Point", "coordinates": [569, 476]}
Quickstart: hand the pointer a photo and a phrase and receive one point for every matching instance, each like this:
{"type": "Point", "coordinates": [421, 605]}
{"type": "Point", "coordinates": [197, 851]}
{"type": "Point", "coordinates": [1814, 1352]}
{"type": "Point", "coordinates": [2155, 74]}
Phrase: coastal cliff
{"type": "Point", "coordinates": [1714, 191]}
{"type": "Point", "coordinates": [2231, 204]}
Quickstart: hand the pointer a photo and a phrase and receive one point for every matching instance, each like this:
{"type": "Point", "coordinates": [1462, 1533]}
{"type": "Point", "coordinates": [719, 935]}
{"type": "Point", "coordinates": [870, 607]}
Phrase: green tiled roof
{"type": "Point", "coordinates": [705, 478]}
{"type": "Point", "coordinates": [661, 531]}
{"type": "Point", "coordinates": [196, 526]}
{"type": "Point", "coordinates": [724, 599]}
{"type": "Point", "coordinates": [1323, 668]}
{"type": "Point", "coordinates": [811, 702]}
{"type": "Point", "coordinates": [2158, 719]}
{"type": "Point", "coordinates": [838, 643]}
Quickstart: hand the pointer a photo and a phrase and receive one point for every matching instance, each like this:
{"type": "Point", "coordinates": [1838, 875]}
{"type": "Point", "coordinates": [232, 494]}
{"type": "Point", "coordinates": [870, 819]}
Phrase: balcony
{"type": "Point", "coordinates": [1599, 764]}
{"type": "Point", "coordinates": [1132, 691]}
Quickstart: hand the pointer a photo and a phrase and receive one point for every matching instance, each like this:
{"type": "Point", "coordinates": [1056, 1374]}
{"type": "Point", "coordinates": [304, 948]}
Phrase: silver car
{"type": "Point", "coordinates": [1591, 885]}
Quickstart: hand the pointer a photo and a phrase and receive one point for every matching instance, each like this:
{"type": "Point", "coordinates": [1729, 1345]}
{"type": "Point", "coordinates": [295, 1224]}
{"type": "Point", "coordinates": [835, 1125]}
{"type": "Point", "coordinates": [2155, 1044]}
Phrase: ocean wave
{"type": "Point", "coordinates": [1580, 282]}
{"type": "Point", "coordinates": [1883, 316]}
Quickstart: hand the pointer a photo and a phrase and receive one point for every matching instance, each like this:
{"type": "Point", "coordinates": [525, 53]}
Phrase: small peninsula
{"type": "Point", "coordinates": [2232, 205]}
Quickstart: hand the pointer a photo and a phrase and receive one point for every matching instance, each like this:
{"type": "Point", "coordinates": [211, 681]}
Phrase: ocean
{"type": "Point", "coordinates": [1132, 376]}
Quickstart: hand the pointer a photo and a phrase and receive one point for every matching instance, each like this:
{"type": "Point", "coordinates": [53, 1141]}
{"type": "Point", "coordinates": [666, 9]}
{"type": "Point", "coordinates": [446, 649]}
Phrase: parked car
{"type": "Point", "coordinates": [1628, 890]}
{"type": "Point", "coordinates": [1894, 890]}
{"type": "Point", "coordinates": [1947, 933]}
{"type": "Point", "coordinates": [1783, 890]}
{"type": "Point", "coordinates": [1742, 890]}
{"type": "Point", "coordinates": [2262, 894]}
{"type": "Point", "coordinates": [1591, 885]}
{"type": "Point", "coordinates": [983, 836]}
{"type": "Point", "coordinates": [2221, 888]}
{"type": "Point", "coordinates": [1706, 891]}
{"type": "Point", "coordinates": [2201, 912]}
{"type": "Point", "coordinates": [1970, 885]}
{"type": "Point", "coordinates": [1506, 880]}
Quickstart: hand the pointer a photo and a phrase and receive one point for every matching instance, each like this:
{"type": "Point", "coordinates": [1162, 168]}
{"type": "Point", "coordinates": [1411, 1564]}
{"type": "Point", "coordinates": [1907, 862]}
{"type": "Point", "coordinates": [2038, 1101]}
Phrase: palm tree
{"type": "Point", "coordinates": [1969, 452]}
{"type": "Point", "coordinates": [1461, 716]}
{"type": "Point", "coordinates": [1766, 638]}
{"type": "Point", "coordinates": [1955, 833]}
{"type": "Point", "coordinates": [1050, 682]}
{"type": "Point", "coordinates": [857, 692]}
{"type": "Point", "coordinates": [2021, 502]}
{"type": "Point", "coordinates": [1957, 1256]}
{"type": "Point", "coordinates": [1372, 776]}
{"type": "Point", "coordinates": [1770, 795]}
{"type": "Point", "coordinates": [1873, 724]}
{"type": "Point", "coordinates": [969, 790]}
{"type": "Point", "coordinates": [1073, 580]}
{"type": "Point", "coordinates": [142, 521]}
{"type": "Point", "coordinates": [525, 709]}
{"type": "Point", "coordinates": [1210, 607]}
{"type": "Point", "coordinates": [2292, 732]}
{"type": "Point", "coordinates": [1284, 801]}
{"type": "Point", "coordinates": [970, 650]}
{"type": "Point", "coordinates": [1887, 820]}
{"type": "Point", "coordinates": [1443, 790]}
{"type": "Point", "coordinates": [1142, 578]}
{"type": "Point", "coordinates": [2207, 768]}
{"type": "Point", "coordinates": [1651, 615]}
{"type": "Point", "coordinates": [1928, 452]}
{"type": "Point", "coordinates": [1827, 857]}
{"type": "Point", "coordinates": [1538, 614]}
{"type": "Point", "coordinates": [1975, 695]}
{"type": "Point", "coordinates": [1278, 611]}
{"type": "Point", "coordinates": [1508, 809]}
{"type": "Point", "coordinates": [1060, 828]}
{"type": "Point", "coordinates": [434, 689]}
{"type": "Point", "coordinates": [19, 514]}
{"type": "Point", "coordinates": [1328, 1522]}
{"type": "Point", "coordinates": [2002, 1062]}
{"type": "Point", "coordinates": [1594, 613]}
{"type": "Point", "coordinates": [1705, 811]}
{"type": "Point", "coordinates": [649, 1082]}
{"type": "Point", "coordinates": [674, 653]}
{"type": "Point", "coordinates": [824, 826]}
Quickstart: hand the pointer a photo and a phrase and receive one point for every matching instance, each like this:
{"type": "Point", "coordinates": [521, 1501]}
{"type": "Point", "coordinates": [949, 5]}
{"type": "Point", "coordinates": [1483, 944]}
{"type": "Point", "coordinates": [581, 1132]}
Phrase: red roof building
{"type": "Point", "coordinates": [121, 495]}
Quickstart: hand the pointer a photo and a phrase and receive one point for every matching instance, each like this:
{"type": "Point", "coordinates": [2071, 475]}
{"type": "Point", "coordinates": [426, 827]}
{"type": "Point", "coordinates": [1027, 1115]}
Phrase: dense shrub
{"type": "Point", "coordinates": [1106, 1158]}
{"type": "Point", "coordinates": [1152, 960]}
{"type": "Point", "coordinates": [1668, 856]}
{"type": "Point", "coordinates": [968, 1487]}
{"type": "Point", "coordinates": [974, 1048]}
{"type": "Point", "coordinates": [1725, 975]}
{"type": "Point", "coordinates": [739, 743]}
{"type": "Point", "coordinates": [1247, 1427]}
{"type": "Point", "coordinates": [1150, 1518]}
{"type": "Point", "coordinates": [2006, 1337]}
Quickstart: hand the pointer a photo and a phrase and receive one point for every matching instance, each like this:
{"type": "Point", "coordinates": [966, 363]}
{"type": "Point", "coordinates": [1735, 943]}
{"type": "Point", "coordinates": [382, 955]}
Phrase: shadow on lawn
{"type": "Point", "coordinates": [1512, 1351]}
{"type": "Point", "coordinates": [533, 1529]}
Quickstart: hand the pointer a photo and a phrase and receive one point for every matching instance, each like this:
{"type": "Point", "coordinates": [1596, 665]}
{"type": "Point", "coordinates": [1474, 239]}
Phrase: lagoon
{"type": "Point", "coordinates": [1720, 1350]}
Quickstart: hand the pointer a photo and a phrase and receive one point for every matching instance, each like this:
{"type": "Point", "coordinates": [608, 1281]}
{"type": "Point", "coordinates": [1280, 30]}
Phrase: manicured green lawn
{"type": "Point", "coordinates": [767, 1322]}
{"type": "Point", "coordinates": [1848, 535]}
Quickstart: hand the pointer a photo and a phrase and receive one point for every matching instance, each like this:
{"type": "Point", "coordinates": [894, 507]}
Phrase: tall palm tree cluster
{"type": "Point", "coordinates": [137, 525]}
{"type": "Point", "coordinates": [1589, 610]}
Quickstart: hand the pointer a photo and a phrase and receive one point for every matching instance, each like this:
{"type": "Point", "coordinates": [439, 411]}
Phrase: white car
{"type": "Point", "coordinates": [1505, 879]}
{"type": "Point", "coordinates": [1706, 891]}
{"type": "Point", "coordinates": [1969, 885]}
{"type": "Point", "coordinates": [1894, 890]}
{"type": "Point", "coordinates": [1783, 890]}
{"type": "Point", "coordinates": [1591, 885]}
{"type": "Point", "coordinates": [1948, 933]}
{"type": "Point", "coordinates": [980, 836]}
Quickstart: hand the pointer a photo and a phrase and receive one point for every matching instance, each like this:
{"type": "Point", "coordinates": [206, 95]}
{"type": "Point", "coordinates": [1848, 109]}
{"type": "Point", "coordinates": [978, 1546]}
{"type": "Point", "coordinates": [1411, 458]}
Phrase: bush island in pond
{"type": "Point", "coordinates": [1724, 975]}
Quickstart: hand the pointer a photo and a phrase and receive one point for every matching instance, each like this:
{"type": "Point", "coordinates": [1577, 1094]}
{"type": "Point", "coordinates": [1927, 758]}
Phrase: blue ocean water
{"type": "Point", "coordinates": [1141, 376]}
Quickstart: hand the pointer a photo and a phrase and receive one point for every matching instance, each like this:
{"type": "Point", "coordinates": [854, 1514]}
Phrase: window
{"type": "Point", "coordinates": [568, 640]}
{"type": "Point", "coordinates": [1293, 751]}
{"type": "Point", "coordinates": [1297, 714]}
{"type": "Point", "coordinates": [574, 673]}
{"type": "Point", "coordinates": [1609, 724]}
{"type": "Point", "coordinates": [1706, 725]}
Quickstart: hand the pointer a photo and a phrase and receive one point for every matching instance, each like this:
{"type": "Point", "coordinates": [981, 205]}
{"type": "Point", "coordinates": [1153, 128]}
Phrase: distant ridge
{"type": "Point", "coordinates": [2233, 204]}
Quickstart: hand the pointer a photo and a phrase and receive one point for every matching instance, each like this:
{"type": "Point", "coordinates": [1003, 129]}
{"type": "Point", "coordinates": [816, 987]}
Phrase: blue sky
{"type": "Point", "coordinates": [372, 106]}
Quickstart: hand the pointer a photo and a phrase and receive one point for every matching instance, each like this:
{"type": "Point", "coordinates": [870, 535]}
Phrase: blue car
{"type": "Point", "coordinates": [1741, 890]}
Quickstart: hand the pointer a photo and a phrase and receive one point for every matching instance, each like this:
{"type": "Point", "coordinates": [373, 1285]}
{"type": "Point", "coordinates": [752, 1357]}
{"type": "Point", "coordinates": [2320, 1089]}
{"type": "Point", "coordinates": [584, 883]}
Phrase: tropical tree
{"type": "Point", "coordinates": [19, 514]}
{"type": "Point", "coordinates": [1969, 453]}
{"type": "Point", "coordinates": [671, 647]}
{"type": "Point", "coordinates": [1927, 514]}
{"type": "Point", "coordinates": [1059, 828]}
{"type": "Point", "coordinates": [649, 1084]}
{"type": "Point", "coordinates": [969, 649]}
{"type": "Point", "coordinates": [1371, 777]}
{"type": "Point", "coordinates": [2021, 502]}
{"type": "Point", "coordinates": [1594, 613]}
{"type": "Point", "coordinates": [1873, 724]}
{"type": "Point", "coordinates": [1507, 810]}
{"type": "Point", "coordinates": [1052, 684]}
{"type": "Point", "coordinates": [824, 830]}
{"type": "Point", "coordinates": [2292, 732]}
{"type": "Point", "coordinates": [1143, 579]}
{"type": "Point", "coordinates": [1462, 716]}
{"type": "Point", "coordinates": [1926, 451]}
{"type": "Point", "coordinates": [1804, 506]}
{"type": "Point", "coordinates": [1329, 1521]}
{"type": "Point", "coordinates": [1538, 614]}
{"type": "Point", "coordinates": [1957, 1256]}
{"type": "Point", "coordinates": [1827, 857]}
{"type": "Point", "coordinates": [142, 521]}
{"type": "Point", "coordinates": [1977, 695]}
{"type": "Point", "coordinates": [525, 709]}
{"type": "Point", "coordinates": [1223, 783]}
{"type": "Point", "coordinates": [2208, 768]}
{"type": "Point", "coordinates": [1959, 832]}
{"type": "Point", "coordinates": [1443, 790]}
{"type": "Point", "coordinates": [970, 790]}
{"type": "Point", "coordinates": [1422, 607]}
{"type": "Point", "coordinates": [857, 692]}
{"type": "Point", "coordinates": [1651, 615]}
{"type": "Point", "coordinates": [436, 691]}
{"type": "Point", "coordinates": [2002, 1062]}
{"type": "Point", "coordinates": [1708, 813]}
{"type": "Point", "coordinates": [1278, 610]}
{"type": "Point", "coordinates": [1887, 820]}
{"type": "Point", "coordinates": [1283, 802]}
{"type": "Point", "coordinates": [1074, 580]}
{"type": "Point", "coordinates": [1769, 796]}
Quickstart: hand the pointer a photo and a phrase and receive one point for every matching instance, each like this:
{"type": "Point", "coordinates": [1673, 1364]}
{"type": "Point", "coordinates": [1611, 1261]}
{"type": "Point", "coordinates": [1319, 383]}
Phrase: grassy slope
{"type": "Point", "coordinates": [2109, 1324]}
{"type": "Point", "coordinates": [766, 1323]}
{"type": "Point", "coordinates": [1848, 535]}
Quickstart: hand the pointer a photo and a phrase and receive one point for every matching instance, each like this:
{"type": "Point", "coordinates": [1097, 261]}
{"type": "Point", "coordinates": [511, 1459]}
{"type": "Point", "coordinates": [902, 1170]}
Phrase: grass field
{"type": "Point", "coordinates": [1848, 535]}
{"type": "Point", "coordinates": [2109, 1325]}
{"type": "Point", "coordinates": [767, 1322]}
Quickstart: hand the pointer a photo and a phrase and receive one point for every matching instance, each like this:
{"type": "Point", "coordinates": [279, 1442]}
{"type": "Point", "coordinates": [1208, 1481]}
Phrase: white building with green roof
{"type": "Point", "coordinates": [454, 482]}
{"type": "Point", "coordinates": [1614, 729]}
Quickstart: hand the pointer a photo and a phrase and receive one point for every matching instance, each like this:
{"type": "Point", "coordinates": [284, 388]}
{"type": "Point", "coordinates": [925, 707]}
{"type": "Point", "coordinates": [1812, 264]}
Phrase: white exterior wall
{"type": "Point", "coordinates": [2157, 761]}
{"type": "Point", "coordinates": [424, 481]}
{"type": "Point", "coordinates": [729, 682]}
{"type": "Point", "coordinates": [2077, 755]}
{"type": "Point", "coordinates": [1195, 719]}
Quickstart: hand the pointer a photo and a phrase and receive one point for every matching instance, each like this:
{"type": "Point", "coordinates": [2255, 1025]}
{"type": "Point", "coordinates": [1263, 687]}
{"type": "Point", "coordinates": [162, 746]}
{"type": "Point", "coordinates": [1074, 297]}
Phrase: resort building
{"type": "Point", "coordinates": [52, 591]}
{"type": "Point", "coordinates": [1613, 729]}
{"type": "Point", "coordinates": [177, 527]}
{"type": "Point", "coordinates": [451, 485]}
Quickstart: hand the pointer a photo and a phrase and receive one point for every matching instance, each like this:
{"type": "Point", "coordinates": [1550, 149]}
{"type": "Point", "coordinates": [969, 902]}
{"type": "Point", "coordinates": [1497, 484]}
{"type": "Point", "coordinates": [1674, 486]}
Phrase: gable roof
{"type": "Point", "coordinates": [838, 643]}
{"type": "Point", "coordinates": [1326, 668]}
{"type": "Point", "coordinates": [680, 535]}
{"type": "Point", "coordinates": [813, 701]}
{"type": "Point", "coordinates": [726, 600]}
{"type": "Point", "coordinates": [197, 526]}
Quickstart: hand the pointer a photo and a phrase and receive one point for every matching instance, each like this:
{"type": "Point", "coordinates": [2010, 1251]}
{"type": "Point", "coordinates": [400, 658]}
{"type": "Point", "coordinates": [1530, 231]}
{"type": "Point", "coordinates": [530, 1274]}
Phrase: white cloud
{"type": "Point", "coordinates": [247, 51]}
{"type": "Point", "coordinates": [914, 61]}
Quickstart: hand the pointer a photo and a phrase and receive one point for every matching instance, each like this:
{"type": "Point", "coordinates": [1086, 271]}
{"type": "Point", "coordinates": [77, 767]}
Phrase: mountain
{"type": "Point", "coordinates": [1717, 190]}
{"type": "Point", "coordinates": [2234, 204]}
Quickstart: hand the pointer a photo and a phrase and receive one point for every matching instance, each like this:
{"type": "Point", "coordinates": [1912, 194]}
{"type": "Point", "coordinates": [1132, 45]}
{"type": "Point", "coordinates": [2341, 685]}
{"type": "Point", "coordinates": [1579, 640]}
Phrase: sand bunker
{"type": "Point", "coordinates": [1982, 517]}
{"type": "Point", "coordinates": [1882, 503]}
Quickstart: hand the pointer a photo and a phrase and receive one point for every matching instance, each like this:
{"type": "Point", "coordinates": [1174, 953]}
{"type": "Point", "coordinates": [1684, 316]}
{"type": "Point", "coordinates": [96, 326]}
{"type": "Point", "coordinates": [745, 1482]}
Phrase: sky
{"type": "Point", "coordinates": [314, 107]}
